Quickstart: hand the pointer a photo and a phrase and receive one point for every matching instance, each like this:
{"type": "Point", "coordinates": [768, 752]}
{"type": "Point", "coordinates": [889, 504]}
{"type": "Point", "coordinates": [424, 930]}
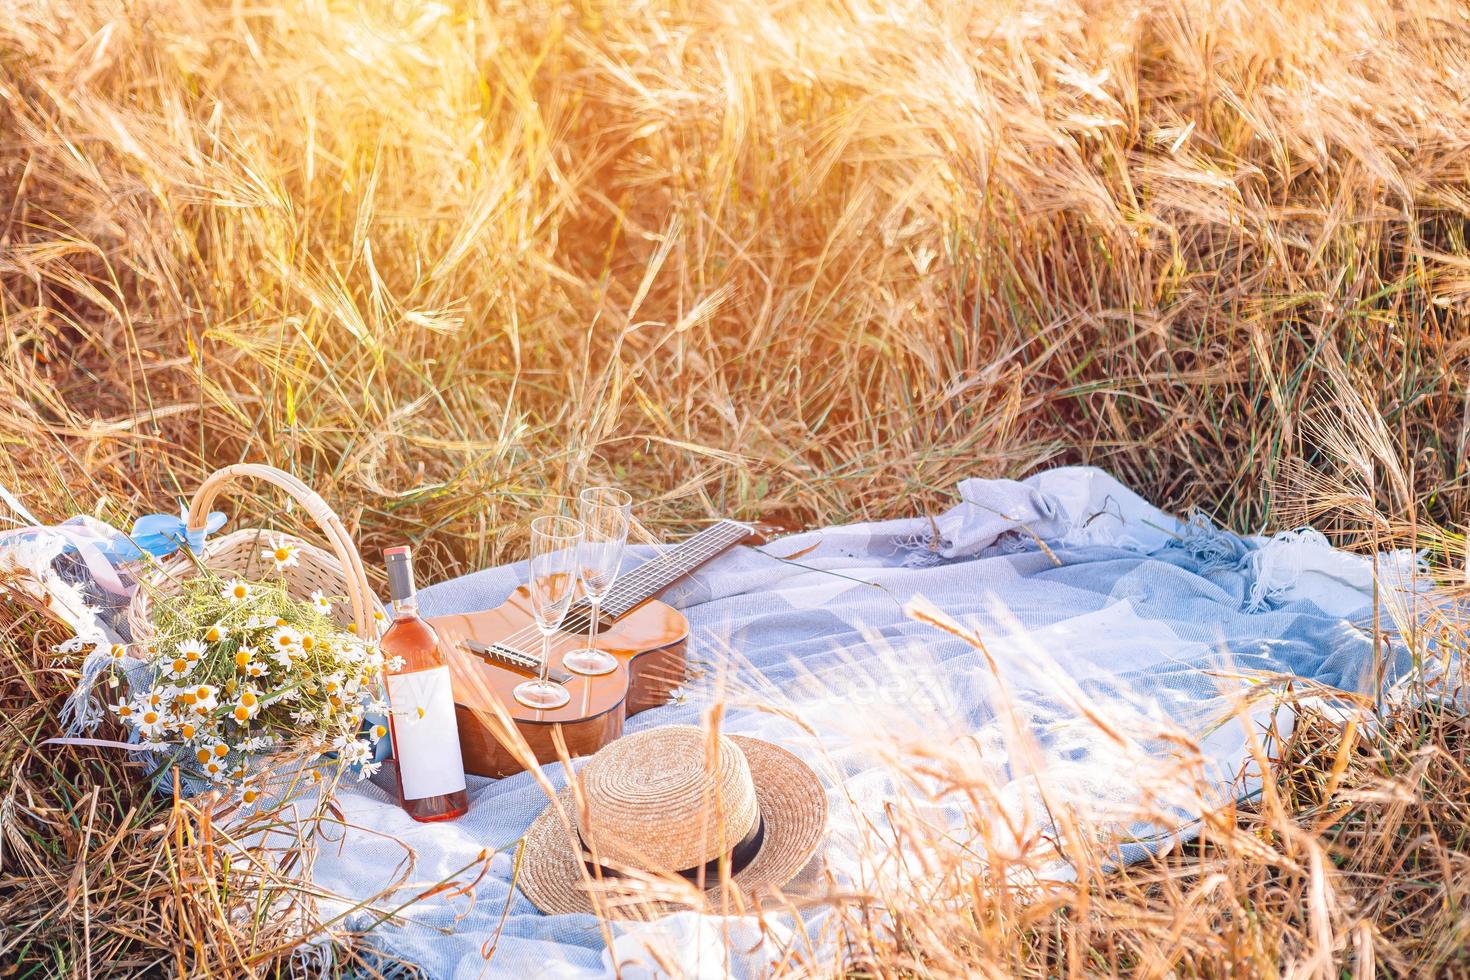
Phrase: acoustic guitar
{"type": "Point", "coordinates": [490, 652]}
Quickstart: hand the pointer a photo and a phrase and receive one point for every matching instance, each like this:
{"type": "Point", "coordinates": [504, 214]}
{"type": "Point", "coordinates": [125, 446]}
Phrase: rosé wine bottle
{"type": "Point", "coordinates": [421, 718]}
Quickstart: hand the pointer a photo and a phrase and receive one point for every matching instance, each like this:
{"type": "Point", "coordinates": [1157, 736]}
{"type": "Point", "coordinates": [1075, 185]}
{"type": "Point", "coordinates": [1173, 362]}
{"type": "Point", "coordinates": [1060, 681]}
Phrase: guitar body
{"type": "Point", "coordinates": [649, 644]}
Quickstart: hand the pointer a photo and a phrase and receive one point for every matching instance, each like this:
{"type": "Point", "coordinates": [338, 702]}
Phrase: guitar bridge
{"type": "Point", "coordinates": [521, 663]}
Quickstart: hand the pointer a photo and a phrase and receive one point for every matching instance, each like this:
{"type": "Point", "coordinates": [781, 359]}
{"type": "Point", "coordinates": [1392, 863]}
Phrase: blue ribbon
{"type": "Point", "coordinates": [162, 534]}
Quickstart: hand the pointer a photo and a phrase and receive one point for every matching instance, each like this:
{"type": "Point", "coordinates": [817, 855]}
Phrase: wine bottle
{"type": "Point", "coordinates": [421, 718]}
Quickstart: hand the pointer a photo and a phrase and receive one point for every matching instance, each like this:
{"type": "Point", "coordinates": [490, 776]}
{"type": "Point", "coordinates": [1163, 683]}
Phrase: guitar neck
{"type": "Point", "coordinates": [663, 570]}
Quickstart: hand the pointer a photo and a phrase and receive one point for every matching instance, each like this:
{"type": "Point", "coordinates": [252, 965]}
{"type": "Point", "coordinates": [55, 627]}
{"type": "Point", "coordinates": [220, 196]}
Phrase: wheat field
{"type": "Point", "coordinates": [793, 261]}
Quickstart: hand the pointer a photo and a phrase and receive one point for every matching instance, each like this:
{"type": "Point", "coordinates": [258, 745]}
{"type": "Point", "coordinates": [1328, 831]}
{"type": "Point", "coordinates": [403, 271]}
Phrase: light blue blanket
{"type": "Point", "coordinates": [1091, 604]}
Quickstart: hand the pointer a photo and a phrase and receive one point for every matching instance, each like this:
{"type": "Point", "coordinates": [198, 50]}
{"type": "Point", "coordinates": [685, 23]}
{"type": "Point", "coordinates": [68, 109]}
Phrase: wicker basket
{"type": "Point", "coordinates": [238, 554]}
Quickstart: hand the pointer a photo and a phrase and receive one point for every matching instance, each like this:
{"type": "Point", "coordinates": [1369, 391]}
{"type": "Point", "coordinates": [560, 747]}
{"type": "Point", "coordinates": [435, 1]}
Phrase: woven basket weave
{"type": "Point", "coordinates": [238, 555]}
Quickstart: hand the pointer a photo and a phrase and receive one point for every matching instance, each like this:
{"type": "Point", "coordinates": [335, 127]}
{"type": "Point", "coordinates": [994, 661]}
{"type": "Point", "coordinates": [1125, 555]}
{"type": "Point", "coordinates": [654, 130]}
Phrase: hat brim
{"type": "Point", "coordinates": [793, 805]}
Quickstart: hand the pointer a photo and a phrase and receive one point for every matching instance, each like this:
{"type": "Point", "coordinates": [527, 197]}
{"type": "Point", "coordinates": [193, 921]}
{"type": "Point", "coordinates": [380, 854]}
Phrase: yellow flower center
{"type": "Point", "coordinates": [221, 750]}
{"type": "Point", "coordinates": [242, 659]}
{"type": "Point", "coordinates": [248, 699]}
{"type": "Point", "coordinates": [124, 711]}
{"type": "Point", "coordinates": [307, 642]}
{"type": "Point", "coordinates": [240, 592]}
{"type": "Point", "coordinates": [379, 731]}
{"type": "Point", "coordinates": [202, 755]}
{"type": "Point", "coordinates": [180, 666]}
{"type": "Point", "coordinates": [187, 731]}
{"type": "Point", "coordinates": [150, 717]}
{"type": "Point", "coordinates": [283, 553]}
{"type": "Point", "coordinates": [242, 714]}
{"type": "Point", "coordinates": [118, 650]}
{"type": "Point", "coordinates": [250, 796]}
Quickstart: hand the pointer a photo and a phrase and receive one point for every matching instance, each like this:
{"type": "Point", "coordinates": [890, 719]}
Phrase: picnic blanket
{"type": "Point", "coordinates": [1090, 603]}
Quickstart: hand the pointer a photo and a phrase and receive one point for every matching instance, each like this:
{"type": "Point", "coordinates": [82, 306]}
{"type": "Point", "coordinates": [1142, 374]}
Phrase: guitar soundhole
{"type": "Point", "coordinates": [579, 622]}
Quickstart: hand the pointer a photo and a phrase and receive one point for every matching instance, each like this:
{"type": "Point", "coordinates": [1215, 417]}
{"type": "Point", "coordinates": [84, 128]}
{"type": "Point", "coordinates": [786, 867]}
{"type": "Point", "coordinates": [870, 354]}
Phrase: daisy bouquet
{"type": "Point", "coordinates": [239, 672]}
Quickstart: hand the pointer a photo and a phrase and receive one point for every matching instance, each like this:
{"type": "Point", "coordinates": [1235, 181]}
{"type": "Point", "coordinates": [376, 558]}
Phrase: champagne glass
{"type": "Point", "coordinates": [605, 513]}
{"type": "Point", "coordinates": [553, 582]}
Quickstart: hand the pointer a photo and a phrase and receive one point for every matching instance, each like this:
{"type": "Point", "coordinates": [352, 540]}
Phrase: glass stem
{"type": "Point", "coordinates": [545, 655]}
{"type": "Point", "coordinates": [596, 603]}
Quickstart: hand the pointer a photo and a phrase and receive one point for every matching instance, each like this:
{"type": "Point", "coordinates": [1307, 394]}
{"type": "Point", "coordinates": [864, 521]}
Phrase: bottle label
{"type": "Point", "coordinates": [425, 734]}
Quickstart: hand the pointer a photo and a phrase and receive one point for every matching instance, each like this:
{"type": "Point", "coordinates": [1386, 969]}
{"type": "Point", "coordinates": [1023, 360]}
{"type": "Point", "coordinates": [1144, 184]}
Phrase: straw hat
{"type": "Point", "coordinates": [679, 803]}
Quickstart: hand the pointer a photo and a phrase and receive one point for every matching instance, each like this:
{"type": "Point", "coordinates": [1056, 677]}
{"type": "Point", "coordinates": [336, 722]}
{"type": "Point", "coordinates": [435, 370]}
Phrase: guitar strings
{"type": "Point", "coordinates": [692, 550]}
{"type": "Point", "coordinates": [644, 573]}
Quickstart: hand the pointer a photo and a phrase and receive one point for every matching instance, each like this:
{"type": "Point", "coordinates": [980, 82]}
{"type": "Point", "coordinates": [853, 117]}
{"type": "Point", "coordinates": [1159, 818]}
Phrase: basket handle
{"type": "Point", "coordinates": [359, 593]}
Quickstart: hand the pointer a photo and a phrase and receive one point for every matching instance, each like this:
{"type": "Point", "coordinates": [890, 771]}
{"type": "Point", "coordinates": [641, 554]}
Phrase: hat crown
{"type": "Point", "coordinates": [666, 800]}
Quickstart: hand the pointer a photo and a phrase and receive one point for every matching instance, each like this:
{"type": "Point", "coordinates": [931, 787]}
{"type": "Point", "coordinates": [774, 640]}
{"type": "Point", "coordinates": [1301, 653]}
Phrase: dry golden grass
{"type": "Point", "coordinates": [797, 262]}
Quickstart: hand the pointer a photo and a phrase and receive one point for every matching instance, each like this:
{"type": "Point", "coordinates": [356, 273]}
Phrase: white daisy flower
{"type": "Point", "coordinates": [322, 603]}
{"type": "Point", "coordinates": [179, 668]}
{"type": "Point", "coordinates": [394, 664]}
{"type": "Point", "coordinates": [303, 716]}
{"type": "Point", "coordinates": [201, 699]}
{"type": "Point", "coordinates": [212, 751]}
{"type": "Point", "coordinates": [369, 769]}
{"type": "Point", "coordinates": [282, 553]}
{"type": "Point", "coordinates": [123, 710]}
{"type": "Point", "coordinates": [236, 590]}
{"type": "Point", "coordinates": [355, 752]}
{"type": "Point", "coordinates": [246, 706]}
{"type": "Point", "coordinates": [149, 721]}
{"type": "Point", "coordinates": [216, 633]}
{"type": "Point", "coordinates": [285, 640]}
{"type": "Point", "coordinates": [159, 698]}
{"type": "Point", "coordinates": [191, 650]}
{"type": "Point", "coordinates": [117, 650]}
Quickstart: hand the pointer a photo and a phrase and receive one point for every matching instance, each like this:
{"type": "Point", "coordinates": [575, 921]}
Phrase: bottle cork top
{"type": "Point", "coordinates": [400, 573]}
